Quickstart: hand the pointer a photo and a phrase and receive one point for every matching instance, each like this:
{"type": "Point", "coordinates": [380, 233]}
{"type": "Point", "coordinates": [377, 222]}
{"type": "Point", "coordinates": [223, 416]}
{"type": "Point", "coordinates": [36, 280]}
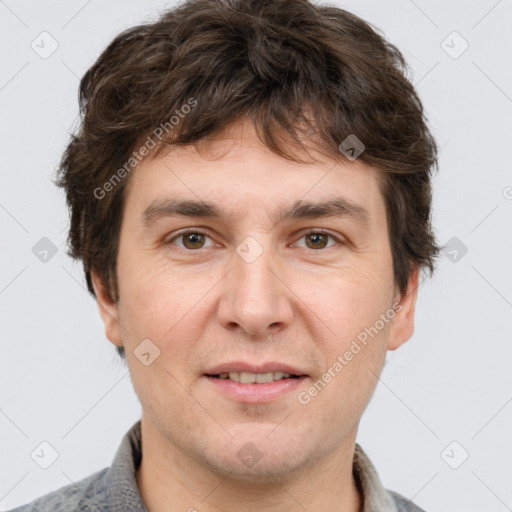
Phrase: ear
{"type": "Point", "coordinates": [108, 310]}
{"type": "Point", "coordinates": [402, 326]}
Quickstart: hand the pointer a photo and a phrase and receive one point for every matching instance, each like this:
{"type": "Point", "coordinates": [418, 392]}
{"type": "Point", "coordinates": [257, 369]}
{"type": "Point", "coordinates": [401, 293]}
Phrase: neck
{"type": "Point", "coordinates": [169, 481]}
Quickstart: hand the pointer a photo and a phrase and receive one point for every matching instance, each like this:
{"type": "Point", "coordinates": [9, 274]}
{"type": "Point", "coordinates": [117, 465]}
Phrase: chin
{"type": "Point", "coordinates": [260, 459]}
{"type": "Point", "coordinates": [266, 472]}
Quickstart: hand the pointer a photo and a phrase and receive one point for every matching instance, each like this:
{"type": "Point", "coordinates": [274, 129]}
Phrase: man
{"type": "Point", "coordinates": [250, 197]}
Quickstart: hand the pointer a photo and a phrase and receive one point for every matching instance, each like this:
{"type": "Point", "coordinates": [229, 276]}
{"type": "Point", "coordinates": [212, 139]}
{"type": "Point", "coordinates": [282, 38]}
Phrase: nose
{"type": "Point", "coordinates": [255, 299]}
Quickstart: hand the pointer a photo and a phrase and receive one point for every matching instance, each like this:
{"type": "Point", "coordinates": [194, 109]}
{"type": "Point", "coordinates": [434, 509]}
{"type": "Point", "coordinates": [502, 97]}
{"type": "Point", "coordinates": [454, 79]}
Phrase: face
{"type": "Point", "coordinates": [255, 282]}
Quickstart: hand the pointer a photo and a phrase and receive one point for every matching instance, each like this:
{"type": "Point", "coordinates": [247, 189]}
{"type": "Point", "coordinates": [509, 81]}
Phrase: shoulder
{"type": "Point", "coordinates": [87, 495]}
{"type": "Point", "coordinates": [403, 504]}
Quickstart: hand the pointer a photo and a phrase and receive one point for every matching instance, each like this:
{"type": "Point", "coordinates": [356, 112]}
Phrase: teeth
{"type": "Point", "coordinates": [247, 378]}
{"type": "Point", "coordinates": [261, 378]}
{"type": "Point", "coordinates": [250, 378]}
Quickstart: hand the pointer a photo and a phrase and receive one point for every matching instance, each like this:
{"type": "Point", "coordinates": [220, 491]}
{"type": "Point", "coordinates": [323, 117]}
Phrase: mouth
{"type": "Point", "coordinates": [254, 383]}
{"type": "Point", "coordinates": [254, 378]}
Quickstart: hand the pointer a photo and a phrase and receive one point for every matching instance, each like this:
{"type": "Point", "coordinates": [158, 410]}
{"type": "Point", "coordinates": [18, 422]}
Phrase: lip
{"type": "Point", "coordinates": [255, 393]}
{"type": "Point", "coordinates": [242, 366]}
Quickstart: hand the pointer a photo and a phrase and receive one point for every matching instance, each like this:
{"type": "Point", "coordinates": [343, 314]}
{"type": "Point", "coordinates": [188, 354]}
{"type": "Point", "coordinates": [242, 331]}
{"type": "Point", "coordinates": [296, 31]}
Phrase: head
{"type": "Point", "coordinates": [225, 117]}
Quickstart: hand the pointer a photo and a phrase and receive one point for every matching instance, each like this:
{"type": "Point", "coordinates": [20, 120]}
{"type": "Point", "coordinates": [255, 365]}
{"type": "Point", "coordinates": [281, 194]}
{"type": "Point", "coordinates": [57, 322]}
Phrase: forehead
{"type": "Point", "coordinates": [235, 171]}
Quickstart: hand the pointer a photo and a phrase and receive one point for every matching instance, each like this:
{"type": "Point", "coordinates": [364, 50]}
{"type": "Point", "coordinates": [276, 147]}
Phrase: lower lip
{"type": "Point", "coordinates": [255, 393]}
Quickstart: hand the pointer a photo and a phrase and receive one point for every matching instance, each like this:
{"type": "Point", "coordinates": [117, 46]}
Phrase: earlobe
{"type": "Point", "coordinates": [402, 326]}
{"type": "Point", "coordinates": [108, 310]}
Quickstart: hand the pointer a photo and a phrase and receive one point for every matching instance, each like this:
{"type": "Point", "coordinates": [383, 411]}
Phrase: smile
{"type": "Point", "coordinates": [254, 378]}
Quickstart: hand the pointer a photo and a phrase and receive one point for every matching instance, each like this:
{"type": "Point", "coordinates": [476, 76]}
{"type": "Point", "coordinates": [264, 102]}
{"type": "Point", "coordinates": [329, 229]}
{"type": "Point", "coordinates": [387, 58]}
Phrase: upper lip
{"type": "Point", "coordinates": [242, 366]}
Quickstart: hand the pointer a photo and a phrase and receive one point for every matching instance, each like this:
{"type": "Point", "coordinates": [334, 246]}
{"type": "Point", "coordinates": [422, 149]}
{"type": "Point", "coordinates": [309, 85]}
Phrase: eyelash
{"type": "Point", "coordinates": [199, 232]}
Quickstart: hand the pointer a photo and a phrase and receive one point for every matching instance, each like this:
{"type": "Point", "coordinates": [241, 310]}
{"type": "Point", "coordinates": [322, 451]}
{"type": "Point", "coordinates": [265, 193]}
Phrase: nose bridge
{"type": "Point", "coordinates": [254, 299]}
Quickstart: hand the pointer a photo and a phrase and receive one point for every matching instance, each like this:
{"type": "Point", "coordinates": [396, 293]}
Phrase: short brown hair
{"type": "Point", "coordinates": [296, 69]}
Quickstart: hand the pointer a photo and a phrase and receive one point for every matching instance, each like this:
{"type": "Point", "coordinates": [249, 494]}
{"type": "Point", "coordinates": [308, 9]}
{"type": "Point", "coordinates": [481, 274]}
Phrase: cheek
{"type": "Point", "coordinates": [348, 300]}
{"type": "Point", "coordinates": [164, 306]}
{"type": "Point", "coordinates": [354, 346]}
{"type": "Point", "coordinates": [155, 305]}
{"type": "Point", "coordinates": [353, 357]}
{"type": "Point", "coordinates": [149, 292]}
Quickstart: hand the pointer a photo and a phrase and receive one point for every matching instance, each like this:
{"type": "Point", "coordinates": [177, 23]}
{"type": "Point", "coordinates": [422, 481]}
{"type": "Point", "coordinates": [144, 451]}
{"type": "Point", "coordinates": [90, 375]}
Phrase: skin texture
{"type": "Point", "coordinates": [295, 303]}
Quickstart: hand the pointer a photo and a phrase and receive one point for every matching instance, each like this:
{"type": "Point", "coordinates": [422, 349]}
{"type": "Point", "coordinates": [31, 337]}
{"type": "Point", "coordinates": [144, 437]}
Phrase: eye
{"type": "Point", "coordinates": [192, 239]}
{"type": "Point", "coordinates": [318, 239]}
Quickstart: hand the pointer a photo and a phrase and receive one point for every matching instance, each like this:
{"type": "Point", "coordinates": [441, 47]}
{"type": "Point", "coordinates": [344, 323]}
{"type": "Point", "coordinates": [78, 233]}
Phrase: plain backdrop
{"type": "Point", "coordinates": [439, 426]}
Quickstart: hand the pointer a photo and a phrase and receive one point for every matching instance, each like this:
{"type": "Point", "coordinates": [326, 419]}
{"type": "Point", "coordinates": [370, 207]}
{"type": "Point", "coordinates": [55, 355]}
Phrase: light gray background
{"type": "Point", "coordinates": [60, 379]}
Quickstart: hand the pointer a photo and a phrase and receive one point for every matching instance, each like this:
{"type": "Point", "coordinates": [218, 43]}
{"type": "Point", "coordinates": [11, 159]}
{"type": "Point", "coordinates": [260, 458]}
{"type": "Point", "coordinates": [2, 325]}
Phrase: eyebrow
{"type": "Point", "coordinates": [336, 207]}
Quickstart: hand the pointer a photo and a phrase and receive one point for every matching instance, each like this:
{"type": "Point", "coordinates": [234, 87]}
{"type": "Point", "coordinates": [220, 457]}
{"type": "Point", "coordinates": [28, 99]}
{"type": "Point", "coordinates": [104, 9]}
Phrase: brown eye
{"type": "Point", "coordinates": [193, 240]}
{"type": "Point", "coordinates": [316, 240]}
{"type": "Point", "coordinates": [319, 240]}
{"type": "Point", "coordinates": [190, 240]}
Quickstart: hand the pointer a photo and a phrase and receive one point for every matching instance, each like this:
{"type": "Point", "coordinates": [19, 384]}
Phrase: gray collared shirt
{"type": "Point", "coordinates": [115, 489]}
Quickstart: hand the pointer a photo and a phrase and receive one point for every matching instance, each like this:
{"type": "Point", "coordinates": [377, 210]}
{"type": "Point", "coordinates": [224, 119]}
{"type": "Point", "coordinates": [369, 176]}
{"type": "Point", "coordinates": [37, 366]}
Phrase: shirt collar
{"type": "Point", "coordinates": [373, 494]}
{"type": "Point", "coordinates": [123, 493]}
{"type": "Point", "coordinates": [121, 484]}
